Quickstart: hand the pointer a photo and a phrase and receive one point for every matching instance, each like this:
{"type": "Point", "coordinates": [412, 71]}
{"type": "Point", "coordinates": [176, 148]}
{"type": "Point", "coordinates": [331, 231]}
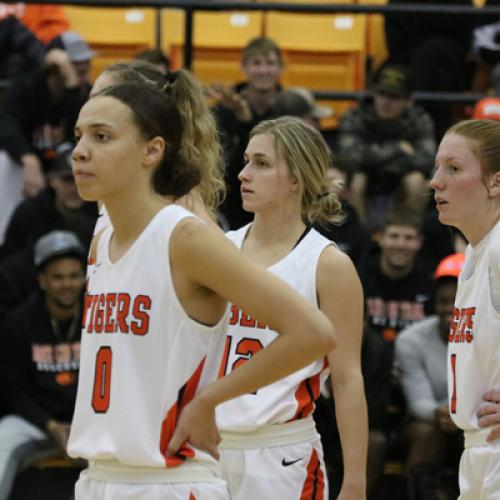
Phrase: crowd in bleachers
{"type": "Point", "coordinates": [384, 148]}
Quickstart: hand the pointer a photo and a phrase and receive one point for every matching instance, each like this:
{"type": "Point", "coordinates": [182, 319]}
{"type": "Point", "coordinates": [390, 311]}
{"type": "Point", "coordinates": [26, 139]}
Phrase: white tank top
{"type": "Point", "coordinates": [474, 340]}
{"type": "Point", "coordinates": [142, 357]}
{"type": "Point", "coordinates": [293, 397]}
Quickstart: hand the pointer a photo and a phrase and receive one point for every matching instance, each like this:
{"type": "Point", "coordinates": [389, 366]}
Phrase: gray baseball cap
{"type": "Point", "coordinates": [72, 42]}
{"type": "Point", "coordinates": [57, 244]}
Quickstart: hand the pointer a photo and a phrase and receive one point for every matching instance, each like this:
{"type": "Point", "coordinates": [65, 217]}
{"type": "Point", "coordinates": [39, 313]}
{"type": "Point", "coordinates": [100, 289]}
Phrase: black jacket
{"type": "Point", "coordinates": [29, 111]}
{"type": "Point", "coordinates": [39, 371]}
{"type": "Point", "coordinates": [20, 50]}
{"type": "Point", "coordinates": [37, 216]}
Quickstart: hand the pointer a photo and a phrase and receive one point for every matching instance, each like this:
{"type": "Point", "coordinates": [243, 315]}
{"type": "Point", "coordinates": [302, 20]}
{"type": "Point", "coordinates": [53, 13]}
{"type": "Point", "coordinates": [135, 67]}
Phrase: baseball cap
{"type": "Point", "coordinates": [299, 101]}
{"type": "Point", "coordinates": [61, 163]}
{"type": "Point", "coordinates": [487, 108]}
{"type": "Point", "coordinates": [450, 266]}
{"type": "Point", "coordinates": [393, 79]}
{"type": "Point", "coordinates": [77, 48]}
{"type": "Point", "coordinates": [57, 244]}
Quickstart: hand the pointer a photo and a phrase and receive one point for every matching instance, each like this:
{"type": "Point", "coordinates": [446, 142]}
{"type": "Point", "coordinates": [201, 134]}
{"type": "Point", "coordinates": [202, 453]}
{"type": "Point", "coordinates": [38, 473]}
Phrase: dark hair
{"type": "Point", "coordinates": [200, 141]}
{"type": "Point", "coordinates": [261, 46]}
{"type": "Point", "coordinates": [403, 216]}
{"type": "Point", "coordinates": [156, 114]}
{"type": "Point", "coordinates": [153, 56]}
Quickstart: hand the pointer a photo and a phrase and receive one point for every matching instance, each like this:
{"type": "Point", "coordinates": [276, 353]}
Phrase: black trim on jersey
{"type": "Point", "coordinates": [303, 235]}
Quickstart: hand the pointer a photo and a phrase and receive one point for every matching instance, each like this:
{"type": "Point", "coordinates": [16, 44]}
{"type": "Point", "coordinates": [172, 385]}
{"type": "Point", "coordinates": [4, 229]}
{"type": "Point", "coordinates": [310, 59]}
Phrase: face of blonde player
{"type": "Point", "coordinates": [460, 193]}
{"type": "Point", "coordinates": [266, 183]}
{"type": "Point", "coordinates": [110, 155]}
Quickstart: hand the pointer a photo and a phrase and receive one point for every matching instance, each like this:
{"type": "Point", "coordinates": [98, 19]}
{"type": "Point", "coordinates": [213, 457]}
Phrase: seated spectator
{"type": "Point", "coordinates": [40, 111]}
{"type": "Point", "coordinates": [156, 57]}
{"type": "Point", "coordinates": [433, 441]}
{"type": "Point", "coordinates": [57, 207]}
{"type": "Point", "coordinates": [398, 293]}
{"type": "Point", "coordinates": [40, 345]}
{"type": "Point", "coordinates": [79, 54]}
{"type": "Point", "coordinates": [487, 108]}
{"type": "Point", "coordinates": [239, 109]}
{"type": "Point", "coordinates": [388, 144]}
{"type": "Point", "coordinates": [436, 47]}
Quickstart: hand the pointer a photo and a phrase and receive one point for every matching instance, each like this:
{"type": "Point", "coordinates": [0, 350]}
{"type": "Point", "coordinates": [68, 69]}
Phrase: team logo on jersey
{"type": "Point", "coordinates": [116, 313]}
{"type": "Point", "coordinates": [462, 326]}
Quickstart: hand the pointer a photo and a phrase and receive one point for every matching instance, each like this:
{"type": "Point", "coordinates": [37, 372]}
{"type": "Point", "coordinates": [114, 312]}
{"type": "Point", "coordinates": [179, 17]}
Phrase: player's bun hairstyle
{"type": "Point", "coordinates": [200, 142]}
{"type": "Point", "coordinates": [308, 158]}
{"type": "Point", "coordinates": [484, 136]}
{"type": "Point", "coordinates": [156, 115]}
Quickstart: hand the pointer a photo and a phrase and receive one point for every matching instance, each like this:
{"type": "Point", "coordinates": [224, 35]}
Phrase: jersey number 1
{"type": "Point", "coordinates": [453, 403]}
{"type": "Point", "coordinates": [102, 380]}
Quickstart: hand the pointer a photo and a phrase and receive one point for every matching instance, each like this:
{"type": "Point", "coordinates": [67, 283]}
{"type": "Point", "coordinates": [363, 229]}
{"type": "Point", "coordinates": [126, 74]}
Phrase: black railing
{"type": "Point", "coordinates": [191, 6]}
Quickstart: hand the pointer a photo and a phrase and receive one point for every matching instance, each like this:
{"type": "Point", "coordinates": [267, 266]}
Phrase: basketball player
{"type": "Point", "coordinates": [467, 193]}
{"type": "Point", "coordinates": [270, 447]}
{"type": "Point", "coordinates": [156, 301]}
{"type": "Point", "coordinates": [200, 141]}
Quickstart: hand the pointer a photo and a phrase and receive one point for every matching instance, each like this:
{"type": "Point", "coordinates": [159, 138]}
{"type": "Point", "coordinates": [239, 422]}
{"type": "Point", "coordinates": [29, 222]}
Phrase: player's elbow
{"type": "Point", "coordinates": [324, 334]}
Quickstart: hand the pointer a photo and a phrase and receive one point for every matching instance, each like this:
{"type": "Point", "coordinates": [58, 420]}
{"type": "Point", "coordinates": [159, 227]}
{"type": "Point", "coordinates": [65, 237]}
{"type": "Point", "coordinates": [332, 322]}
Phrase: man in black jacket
{"type": "Point", "coordinates": [40, 345]}
{"type": "Point", "coordinates": [40, 111]}
{"type": "Point", "coordinates": [59, 206]}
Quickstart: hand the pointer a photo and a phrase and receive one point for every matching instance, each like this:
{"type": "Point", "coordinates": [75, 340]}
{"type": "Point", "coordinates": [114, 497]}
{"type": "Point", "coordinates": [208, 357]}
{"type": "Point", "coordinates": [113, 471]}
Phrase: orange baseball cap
{"type": "Point", "coordinates": [450, 266]}
{"type": "Point", "coordinates": [487, 108]}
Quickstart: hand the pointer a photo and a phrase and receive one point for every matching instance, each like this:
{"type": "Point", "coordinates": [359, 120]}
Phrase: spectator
{"type": "Point", "coordinates": [20, 51]}
{"type": "Point", "coordinates": [300, 102]}
{"type": "Point", "coordinates": [156, 57]}
{"type": "Point", "coordinates": [57, 207]}
{"type": "Point", "coordinates": [433, 440]}
{"type": "Point", "coordinates": [398, 289]}
{"type": "Point", "coordinates": [40, 111]}
{"type": "Point", "coordinates": [239, 109]}
{"type": "Point", "coordinates": [388, 144]}
{"type": "Point", "coordinates": [436, 46]}
{"type": "Point", "coordinates": [397, 294]}
{"type": "Point", "coordinates": [41, 348]}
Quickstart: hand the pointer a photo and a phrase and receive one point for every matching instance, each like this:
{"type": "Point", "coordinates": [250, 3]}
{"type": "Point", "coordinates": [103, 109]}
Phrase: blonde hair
{"type": "Point", "coordinates": [308, 158]}
{"type": "Point", "coordinates": [200, 142]}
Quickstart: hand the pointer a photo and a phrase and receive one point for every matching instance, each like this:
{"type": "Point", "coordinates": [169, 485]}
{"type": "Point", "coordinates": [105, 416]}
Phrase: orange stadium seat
{"type": "Point", "coordinates": [218, 41]}
{"type": "Point", "coordinates": [115, 33]}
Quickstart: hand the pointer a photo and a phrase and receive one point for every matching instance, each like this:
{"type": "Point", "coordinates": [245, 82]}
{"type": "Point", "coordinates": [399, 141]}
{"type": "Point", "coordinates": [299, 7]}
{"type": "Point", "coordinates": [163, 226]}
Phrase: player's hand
{"type": "Point", "coordinates": [59, 432]}
{"type": "Point", "coordinates": [489, 414]}
{"type": "Point", "coordinates": [33, 178]}
{"type": "Point", "coordinates": [443, 419]}
{"type": "Point", "coordinates": [196, 425]}
{"type": "Point", "coordinates": [352, 491]}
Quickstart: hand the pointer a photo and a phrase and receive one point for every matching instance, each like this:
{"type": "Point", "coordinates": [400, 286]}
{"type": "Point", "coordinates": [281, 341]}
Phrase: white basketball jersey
{"type": "Point", "coordinates": [142, 357]}
{"type": "Point", "coordinates": [292, 397]}
{"type": "Point", "coordinates": [474, 340]}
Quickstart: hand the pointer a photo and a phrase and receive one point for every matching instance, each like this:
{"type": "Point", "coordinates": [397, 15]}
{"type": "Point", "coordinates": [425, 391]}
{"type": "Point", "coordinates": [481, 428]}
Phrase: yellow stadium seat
{"type": "Point", "coordinates": [376, 46]}
{"type": "Point", "coordinates": [321, 52]}
{"type": "Point", "coordinates": [218, 41]}
{"type": "Point", "coordinates": [115, 33]}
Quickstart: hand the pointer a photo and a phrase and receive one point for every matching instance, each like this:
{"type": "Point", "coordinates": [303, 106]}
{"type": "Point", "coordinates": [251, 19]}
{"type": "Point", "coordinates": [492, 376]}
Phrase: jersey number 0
{"type": "Point", "coordinates": [102, 380]}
